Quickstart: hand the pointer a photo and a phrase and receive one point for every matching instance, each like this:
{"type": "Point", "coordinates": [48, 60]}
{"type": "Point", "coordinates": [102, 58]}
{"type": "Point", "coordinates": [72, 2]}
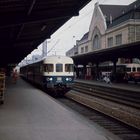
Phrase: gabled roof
{"type": "Point", "coordinates": [119, 13]}
{"type": "Point", "coordinates": [134, 5]}
{"type": "Point", "coordinates": [85, 36]}
{"type": "Point", "coordinates": [112, 11]}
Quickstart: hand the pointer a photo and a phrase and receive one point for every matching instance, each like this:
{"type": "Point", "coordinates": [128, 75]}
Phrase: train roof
{"type": "Point", "coordinates": [133, 65]}
{"type": "Point", "coordinates": [52, 59]}
{"type": "Point", "coordinates": [57, 59]}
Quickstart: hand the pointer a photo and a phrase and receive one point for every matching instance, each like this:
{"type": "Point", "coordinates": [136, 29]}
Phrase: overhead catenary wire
{"type": "Point", "coordinates": [53, 46]}
{"type": "Point", "coordinates": [72, 24]}
{"type": "Point", "coordinates": [61, 33]}
{"type": "Point", "coordinates": [77, 21]}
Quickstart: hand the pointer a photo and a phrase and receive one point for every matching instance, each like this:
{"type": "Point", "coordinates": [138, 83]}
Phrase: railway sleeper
{"type": "Point", "coordinates": [107, 108]}
{"type": "Point", "coordinates": [125, 100]}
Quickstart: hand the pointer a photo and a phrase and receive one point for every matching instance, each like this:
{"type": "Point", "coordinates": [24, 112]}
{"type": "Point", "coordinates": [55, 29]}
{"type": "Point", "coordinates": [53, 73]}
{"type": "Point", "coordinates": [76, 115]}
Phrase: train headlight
{"type": "Point", "coordinates": [49, 79]}
{"type": "Point", "coordinates": [68, 79]}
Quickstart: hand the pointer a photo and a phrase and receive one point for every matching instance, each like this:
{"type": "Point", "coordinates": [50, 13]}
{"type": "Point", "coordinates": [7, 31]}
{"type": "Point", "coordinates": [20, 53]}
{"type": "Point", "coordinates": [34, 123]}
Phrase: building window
{"type": "Point", "coordinates": [137, 32]}
{"type": "Point", "coordinates": [131, 34]}
{"type": "Point", "coordinates": [96, 42]}
{"type": "Point", "coordinates": [86, 48]}
{"type": "Point", "coordinates": [134, 33]}
{"type": "Point", "coordinates": [110, 41]}
{"type": "Point", "coordinates": [82, 50]}
{"type": "Point", "coordinates": [119, 39]}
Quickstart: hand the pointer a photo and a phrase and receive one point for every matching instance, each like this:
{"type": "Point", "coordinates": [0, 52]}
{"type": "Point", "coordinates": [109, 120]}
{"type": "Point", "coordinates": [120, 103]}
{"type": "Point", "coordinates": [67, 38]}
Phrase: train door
{"type": "Point", "coordinates": [88, 72]}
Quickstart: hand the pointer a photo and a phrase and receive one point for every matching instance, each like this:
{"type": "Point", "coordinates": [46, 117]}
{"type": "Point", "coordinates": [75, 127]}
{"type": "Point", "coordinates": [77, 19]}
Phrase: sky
{"type": "Point", "coordinates": [65, 37]}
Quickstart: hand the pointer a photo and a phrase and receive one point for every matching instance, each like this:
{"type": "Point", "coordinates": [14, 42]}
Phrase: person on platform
{"type": "Point", "coordinates": [15, 76]}
{"type": "Point", "coordinates": [107, 79]}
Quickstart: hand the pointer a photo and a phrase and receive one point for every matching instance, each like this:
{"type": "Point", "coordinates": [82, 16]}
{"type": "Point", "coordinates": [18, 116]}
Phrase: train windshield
{"type": "Point", "coordinates": [133, 69]}
{"type": "Point", "coordinates": [68, 67]}
{"type": "Point", "coordinates": [128, 69]}
{"type": "Point", "coordinates": [48, 68]}
{"type": "Point", "coordinates": [59, 67]}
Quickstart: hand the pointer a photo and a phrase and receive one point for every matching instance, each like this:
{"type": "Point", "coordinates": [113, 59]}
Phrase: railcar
{"type": "Point", "coordinates": [133, 72]}
{"type": "Point", "coordinates": [53, 73]}
{"type": "Point", "coordinates": [125, 72]}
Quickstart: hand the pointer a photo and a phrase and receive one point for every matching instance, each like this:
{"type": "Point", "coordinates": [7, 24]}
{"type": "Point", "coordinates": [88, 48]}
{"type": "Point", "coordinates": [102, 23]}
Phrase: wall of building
{"type": "Point", "coordinates": [134, 32]}
{"type": "Point", "coordinates": [97, 30]}
{"type": "Point", "coordinates": [129, 30]}
{"type": "Point", "coordinates": [70, 52]}
{"type": "Point", "coordinates": [83, 47]}
{"type": "Point", "coordinates": [115, 32]}
{"type": "Point", "coordinates": [99, 34]}
{"type": "Point", "coordinates": [73, 51]}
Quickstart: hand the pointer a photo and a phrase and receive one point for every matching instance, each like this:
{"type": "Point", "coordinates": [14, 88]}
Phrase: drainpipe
{"type": "Point", "coordinates": [114, 69]}
{"type": "Point", "coordinates": [97, 71]}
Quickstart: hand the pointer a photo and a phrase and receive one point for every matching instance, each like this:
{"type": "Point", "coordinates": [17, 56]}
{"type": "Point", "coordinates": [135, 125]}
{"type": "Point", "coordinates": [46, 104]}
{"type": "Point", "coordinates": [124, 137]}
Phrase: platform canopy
{"type": "Point", "coordinates": [24, 24]}
{"type": "Point", "coordinates": [128, 51]}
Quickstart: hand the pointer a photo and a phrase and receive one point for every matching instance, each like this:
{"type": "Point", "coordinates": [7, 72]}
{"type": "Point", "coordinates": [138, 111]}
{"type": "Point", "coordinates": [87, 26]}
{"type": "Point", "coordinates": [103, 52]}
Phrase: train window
{"type": "Point", "coordinates": [41, 69]}
{"type": "Point", "coordinates": [68, 67]}
{"type": "Point", "coordinates": [133, 69]}
{"type": "Point", "coordinates": [48, 68]}
{"type": "Point", "coordinates": [128, 69]}
{"type": "Point", "coordinates": [59, 67]}
{"type": "Point", "coordinates": [138, 69]}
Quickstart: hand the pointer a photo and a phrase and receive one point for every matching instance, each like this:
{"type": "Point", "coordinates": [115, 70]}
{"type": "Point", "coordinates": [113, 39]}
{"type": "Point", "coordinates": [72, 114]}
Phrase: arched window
{"type": "Point", "coordinates": [96, 42]}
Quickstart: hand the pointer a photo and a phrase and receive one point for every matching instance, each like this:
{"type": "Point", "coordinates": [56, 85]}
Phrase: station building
{"type": "Point", "coordinates": [111, 26]}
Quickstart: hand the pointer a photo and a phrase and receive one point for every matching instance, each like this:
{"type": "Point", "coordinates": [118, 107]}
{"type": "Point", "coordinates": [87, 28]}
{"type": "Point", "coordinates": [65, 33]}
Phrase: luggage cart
{"type": "Point", "coordinates": [2, 87]}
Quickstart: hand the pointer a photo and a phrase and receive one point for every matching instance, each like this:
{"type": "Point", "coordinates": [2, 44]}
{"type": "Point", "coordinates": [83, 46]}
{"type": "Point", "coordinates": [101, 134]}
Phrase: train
{"type": "Point", "coordinates": [133, 72]}
{"type": "Point", "coordinates": [55, 74]}
{"type": "Point", "coordinates": [125, 72]}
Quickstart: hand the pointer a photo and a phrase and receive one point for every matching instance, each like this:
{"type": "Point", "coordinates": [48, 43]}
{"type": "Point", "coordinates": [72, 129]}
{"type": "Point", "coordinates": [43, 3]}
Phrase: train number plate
{"type": "Point", "coordinates": [59, 78]}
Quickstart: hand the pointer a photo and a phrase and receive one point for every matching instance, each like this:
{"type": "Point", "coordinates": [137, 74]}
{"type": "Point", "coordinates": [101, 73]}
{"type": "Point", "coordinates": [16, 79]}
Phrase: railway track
{"type": "Point", "coordinates": [120, 105]}
{"type": "Point", "coordinates": [121, 96]}
{"type": "Point", "coordinates": [121, 130]}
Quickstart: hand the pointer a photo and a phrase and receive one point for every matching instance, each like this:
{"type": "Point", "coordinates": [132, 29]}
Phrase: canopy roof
{"type": "Point", "coordinates": [24, 24]}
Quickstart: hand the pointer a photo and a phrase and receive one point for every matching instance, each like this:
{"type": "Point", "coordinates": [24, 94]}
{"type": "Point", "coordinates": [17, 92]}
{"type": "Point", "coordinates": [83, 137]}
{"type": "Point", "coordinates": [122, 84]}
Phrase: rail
{"type": "Point", "coordinates": [121, 104]}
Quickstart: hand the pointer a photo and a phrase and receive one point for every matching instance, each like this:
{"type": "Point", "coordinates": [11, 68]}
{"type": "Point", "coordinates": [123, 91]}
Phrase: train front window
{"type": "Point", "coordinates": [128, 69]}
{"type": "Point", "coordinates": [48, 68]}
{"type": "Point", "coordinates": [59, 67]}
{"type": "Point", "coordinates": [68, 67]}
{"type": "Point", "coordinates": [133, 69]}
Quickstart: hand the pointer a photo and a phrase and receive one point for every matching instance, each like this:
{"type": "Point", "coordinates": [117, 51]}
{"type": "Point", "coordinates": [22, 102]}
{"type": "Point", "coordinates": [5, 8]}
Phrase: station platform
{"type": "Point", "coordinates": [30, 114]}
{"type": "Point", "coordinates": [131, 86]}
